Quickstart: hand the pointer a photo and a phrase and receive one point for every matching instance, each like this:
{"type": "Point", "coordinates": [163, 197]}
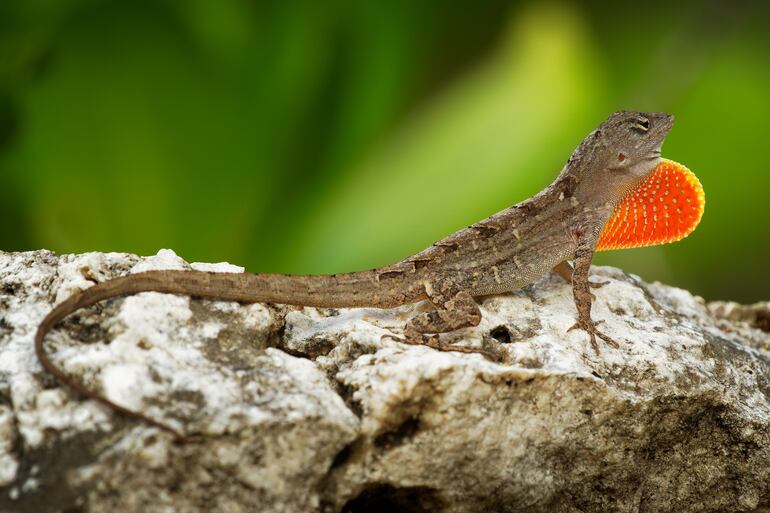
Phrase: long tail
{"type": "Point", "coordinates": [344, 290]}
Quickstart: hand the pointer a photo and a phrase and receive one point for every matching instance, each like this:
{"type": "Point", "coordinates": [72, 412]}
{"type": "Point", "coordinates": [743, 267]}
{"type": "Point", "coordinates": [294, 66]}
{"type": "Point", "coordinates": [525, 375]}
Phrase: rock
{"type": "Point", "coordinates": [303, 409]}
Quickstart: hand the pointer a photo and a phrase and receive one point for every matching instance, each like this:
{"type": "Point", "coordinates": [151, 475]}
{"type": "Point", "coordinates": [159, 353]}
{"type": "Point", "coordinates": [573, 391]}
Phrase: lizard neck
{"type": "Point", "coordinates": [589, 175]}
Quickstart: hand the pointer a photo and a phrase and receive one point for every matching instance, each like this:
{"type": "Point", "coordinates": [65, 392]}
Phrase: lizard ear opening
{"type": "Point", "coordinates": [665, 207]}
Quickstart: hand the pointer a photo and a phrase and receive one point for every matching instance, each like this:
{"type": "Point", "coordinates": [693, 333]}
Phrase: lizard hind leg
{"type": "Point", "coordinates": [460, 311]}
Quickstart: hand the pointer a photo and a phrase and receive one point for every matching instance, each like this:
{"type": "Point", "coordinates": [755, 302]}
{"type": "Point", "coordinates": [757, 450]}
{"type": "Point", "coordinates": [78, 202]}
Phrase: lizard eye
{"type": "Point", "coordinates": [642, 124]}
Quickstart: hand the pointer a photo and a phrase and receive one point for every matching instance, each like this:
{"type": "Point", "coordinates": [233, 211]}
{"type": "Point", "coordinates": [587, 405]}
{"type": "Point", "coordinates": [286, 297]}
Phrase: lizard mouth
{"type": "Point", "coordinates": [654, 154]}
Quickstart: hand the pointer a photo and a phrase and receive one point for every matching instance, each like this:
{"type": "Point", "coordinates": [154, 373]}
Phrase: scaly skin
{"type": "Point", "coordinates": [504, 252]}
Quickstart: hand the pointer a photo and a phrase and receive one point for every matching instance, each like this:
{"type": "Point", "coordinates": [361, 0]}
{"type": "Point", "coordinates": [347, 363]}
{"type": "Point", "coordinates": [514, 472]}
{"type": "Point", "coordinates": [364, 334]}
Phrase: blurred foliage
{"type": "Point", "coordinates": [313, 137]}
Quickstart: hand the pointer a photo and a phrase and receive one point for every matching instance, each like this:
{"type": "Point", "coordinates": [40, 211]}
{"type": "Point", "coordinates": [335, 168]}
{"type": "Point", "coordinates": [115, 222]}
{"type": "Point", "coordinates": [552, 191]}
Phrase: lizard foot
{"type": "Point", "coordinates": [589, 326]}
{"type": "Point", "coordinates": [434, 343]}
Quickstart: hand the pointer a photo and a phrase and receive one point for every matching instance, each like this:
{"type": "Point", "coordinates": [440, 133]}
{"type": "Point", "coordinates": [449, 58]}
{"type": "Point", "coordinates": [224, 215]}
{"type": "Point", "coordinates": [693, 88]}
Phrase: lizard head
{"type": "Point", "coordinates": [631, 142]}
{"type": "Point", "coordinates": [620, 153]}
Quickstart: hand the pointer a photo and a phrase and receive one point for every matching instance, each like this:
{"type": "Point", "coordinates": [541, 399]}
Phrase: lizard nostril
{"type": "Point", "coordinates": [621, 157]}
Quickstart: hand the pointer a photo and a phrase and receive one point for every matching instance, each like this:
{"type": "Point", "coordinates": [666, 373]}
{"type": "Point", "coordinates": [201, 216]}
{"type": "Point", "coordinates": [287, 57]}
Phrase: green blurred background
{"type": "Point", "coordinates": [314, 137]}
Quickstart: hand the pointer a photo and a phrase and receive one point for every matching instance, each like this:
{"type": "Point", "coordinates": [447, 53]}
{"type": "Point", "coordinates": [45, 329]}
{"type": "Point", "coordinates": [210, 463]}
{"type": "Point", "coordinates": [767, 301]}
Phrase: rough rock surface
{"type": "Point", "coordinates": [302, 409]}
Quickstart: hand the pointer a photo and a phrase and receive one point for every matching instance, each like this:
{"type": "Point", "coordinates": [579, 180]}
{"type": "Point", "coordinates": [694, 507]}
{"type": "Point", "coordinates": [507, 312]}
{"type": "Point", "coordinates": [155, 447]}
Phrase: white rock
{"type": "Point", "coordinates": [303, 409]}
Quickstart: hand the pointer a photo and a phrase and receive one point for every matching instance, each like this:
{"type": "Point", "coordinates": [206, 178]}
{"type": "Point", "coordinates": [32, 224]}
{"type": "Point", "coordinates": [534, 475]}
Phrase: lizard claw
{"type": "Point", "coordinates": [589, 326]}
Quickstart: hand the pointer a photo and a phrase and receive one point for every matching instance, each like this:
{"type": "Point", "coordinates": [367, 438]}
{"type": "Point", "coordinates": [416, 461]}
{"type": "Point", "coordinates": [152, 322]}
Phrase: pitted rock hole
{"type": "Point", "coordinates": [386, 498]}
{"type": "Point", "coordinates": [501, 334]}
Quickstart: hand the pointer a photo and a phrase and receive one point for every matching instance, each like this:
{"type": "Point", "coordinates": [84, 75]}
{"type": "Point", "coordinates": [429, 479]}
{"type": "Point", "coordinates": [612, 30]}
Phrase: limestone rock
{"type": "Point", "coordinates": [303, 409]}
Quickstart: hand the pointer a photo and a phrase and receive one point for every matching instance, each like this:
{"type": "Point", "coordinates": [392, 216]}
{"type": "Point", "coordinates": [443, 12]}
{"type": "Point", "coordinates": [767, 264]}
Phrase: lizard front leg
{"type": "Point", "coordinates": [457, 311]}
{"type": "Point", "coordinates": [582, 294]}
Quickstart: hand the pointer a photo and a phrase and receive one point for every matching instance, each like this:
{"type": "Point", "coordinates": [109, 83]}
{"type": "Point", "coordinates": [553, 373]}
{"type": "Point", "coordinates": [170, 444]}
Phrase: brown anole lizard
{"type": "Point", "coordinates": [504, 252]}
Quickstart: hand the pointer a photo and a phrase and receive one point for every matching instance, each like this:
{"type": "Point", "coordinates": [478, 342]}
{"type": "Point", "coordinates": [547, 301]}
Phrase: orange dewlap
{"type": "Point", "coordinates": [665, 207]}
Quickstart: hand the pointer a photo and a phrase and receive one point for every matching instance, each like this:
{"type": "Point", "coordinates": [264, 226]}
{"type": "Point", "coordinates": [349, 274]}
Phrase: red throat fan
{"type": "Point", "coordinates": [665, 207]}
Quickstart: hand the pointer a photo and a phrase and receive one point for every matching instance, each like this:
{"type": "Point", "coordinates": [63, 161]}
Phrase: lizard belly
{"type": "Point", "coordinates": [500, 279]}
{"type": "Point", "coordinates": [512, 275]}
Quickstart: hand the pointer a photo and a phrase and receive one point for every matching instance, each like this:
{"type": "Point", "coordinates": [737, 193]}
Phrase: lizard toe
{"type": "Point", "coordinates": [594, 344]}
{"type": "Point", "coordinates": [607, 339]}
{"type": "Point", "coordinates": [393, 336]}
{"type": "Point", "coordinates": [433, 342]}
{"type": "Point", "coordinates": [589, 327]}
